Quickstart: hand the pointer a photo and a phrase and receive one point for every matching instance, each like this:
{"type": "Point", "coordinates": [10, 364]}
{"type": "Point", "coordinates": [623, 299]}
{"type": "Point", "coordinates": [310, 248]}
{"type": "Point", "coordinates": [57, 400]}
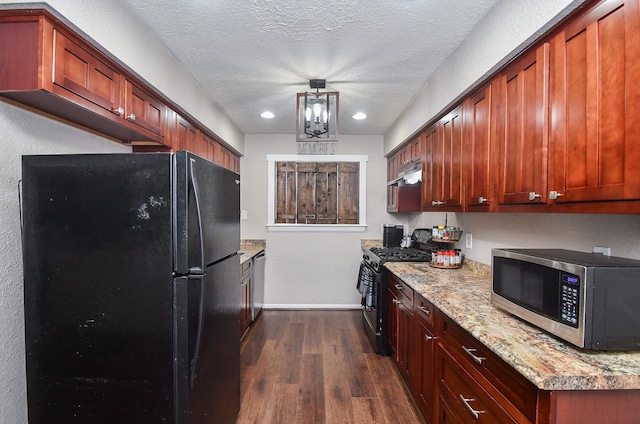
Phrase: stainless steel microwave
{"type": "Point", "coordinates": [587, 299]}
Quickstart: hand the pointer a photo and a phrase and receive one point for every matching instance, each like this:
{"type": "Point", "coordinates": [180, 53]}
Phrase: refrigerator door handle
{"type": "Point", "coordinates": [197, 270]}
{"type": "Point", "coordinates": [196, 350]}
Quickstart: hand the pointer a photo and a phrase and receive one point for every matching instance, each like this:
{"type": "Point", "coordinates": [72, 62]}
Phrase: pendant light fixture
{"type": "Point", "coordinates": [317, 114]}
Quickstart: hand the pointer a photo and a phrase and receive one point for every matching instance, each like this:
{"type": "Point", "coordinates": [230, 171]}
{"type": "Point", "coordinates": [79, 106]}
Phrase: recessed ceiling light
{"type": "Point", "coordinates": [267, 115]}
{"type": "Point", "coordinates": [358, 116]}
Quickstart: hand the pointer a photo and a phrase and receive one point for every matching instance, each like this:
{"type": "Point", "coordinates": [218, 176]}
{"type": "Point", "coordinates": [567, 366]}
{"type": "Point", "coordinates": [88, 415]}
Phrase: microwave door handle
{"type": "Point", "coordinates": [197, 270]}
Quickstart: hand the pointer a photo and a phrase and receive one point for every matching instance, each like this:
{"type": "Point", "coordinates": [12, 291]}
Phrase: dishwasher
{"type": "Point", "coordinates": [257, 287]}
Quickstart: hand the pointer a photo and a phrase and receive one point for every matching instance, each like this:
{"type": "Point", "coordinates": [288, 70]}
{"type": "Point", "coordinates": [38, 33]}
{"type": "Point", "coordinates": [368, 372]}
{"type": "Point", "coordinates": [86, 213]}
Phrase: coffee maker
{"type": "Point", "coordinates": [392, 235]}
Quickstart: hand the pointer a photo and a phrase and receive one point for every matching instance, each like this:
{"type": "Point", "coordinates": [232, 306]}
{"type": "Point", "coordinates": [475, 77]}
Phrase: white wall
{"type": "Point", "coordinates": [311, 269]}
{"type": "Point", "coordinates": [22, 133]}
{"type": "Point", "coordinates": [510, 25]}
{"type": "Point", "coordinates": [540, 230]}
{"type": "Point", "coordinates": [112, 27]}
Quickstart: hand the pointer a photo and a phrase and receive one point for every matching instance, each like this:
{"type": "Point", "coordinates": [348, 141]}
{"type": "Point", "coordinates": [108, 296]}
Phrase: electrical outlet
{"type": "Point", "coordinates": [602, 250]}
{"type": "Point", "coordinates": [243, 214]}
{"type": "Point", "coordinates": [469, 241]}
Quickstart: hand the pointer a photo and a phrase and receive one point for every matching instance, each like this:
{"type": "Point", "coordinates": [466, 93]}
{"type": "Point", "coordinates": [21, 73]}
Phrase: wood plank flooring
{"type": "Point", "coordinates": [316, 367]}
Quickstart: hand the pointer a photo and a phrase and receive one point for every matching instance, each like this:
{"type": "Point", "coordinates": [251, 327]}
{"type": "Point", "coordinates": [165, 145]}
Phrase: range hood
{"type": "Point", "coordinates": [411, 175]}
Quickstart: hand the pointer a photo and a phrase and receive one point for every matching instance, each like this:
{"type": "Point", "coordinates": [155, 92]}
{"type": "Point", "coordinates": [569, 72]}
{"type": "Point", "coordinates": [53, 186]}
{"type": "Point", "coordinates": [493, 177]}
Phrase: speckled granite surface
{"type": "Point", "coordinates": [368, 244]}
{"type": "Point", "coordinates": [550, 364]}
{"type": "Point", "coordinates": [250, 248]}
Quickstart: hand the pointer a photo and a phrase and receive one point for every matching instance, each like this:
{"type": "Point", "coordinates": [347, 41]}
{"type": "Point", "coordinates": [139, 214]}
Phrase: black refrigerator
{"type": "Point", "coordinates": [131, 289]}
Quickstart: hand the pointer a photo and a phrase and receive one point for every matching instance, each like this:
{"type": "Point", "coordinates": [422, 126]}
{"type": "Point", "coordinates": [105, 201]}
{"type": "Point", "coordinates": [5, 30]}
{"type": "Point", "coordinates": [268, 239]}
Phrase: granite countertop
{"type": "Point", "coordinates": [250, 248]}
{"type": "Point", "coordinates": [549, 363]}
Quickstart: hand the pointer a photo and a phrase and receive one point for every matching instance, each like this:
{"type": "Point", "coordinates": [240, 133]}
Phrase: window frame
{"type": "Point", "coordinates": [271, 193]}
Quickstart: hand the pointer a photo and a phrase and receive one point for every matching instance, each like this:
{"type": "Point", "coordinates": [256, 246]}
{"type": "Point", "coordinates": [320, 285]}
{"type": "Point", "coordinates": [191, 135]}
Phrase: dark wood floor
{"type": "Point", "coordinates": [317, 367]}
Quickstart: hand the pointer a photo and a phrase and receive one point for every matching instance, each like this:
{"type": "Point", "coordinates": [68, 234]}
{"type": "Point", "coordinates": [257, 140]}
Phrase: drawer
{"type": "Point", "coordinates": [425, 311]}
{"type": "Point", "coordinates": [488, 369]}
{"type": "Point", "coordinates": [403, 292]}
{"type": "Point", "coordinates": [462, 394]}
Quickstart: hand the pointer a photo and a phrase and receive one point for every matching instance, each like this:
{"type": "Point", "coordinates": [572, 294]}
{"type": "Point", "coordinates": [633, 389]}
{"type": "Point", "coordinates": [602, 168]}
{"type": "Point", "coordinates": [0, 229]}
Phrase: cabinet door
{"type": "Point", "coordinates": [430, 170]}
{"type": "Point", "coordinates": [78, 72]}
{"type": "Point", "coordinates": [405, 335]}
{"type": "Point", "coordinates": [144, 110]}
{"type": "Point", "coordinates": [523, 139]}
{"type": "Point", "coordinates": [595, 131]}
{"type": "Point", "coordinates": [186, 135]}
{"type": "Point", "coordinates": [424, 373]}
{"type": "Point", "coordinates": [392, 190]}
{"type": "Point", "coordinates": [446, 163]}
{"type": "Point", "coordinates": [392, 323]}
{"type": "Point", "coordinates": [476, 156]}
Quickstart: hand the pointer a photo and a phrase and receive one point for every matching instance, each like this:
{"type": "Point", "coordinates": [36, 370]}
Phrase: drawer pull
{"type": "Point", "coordinates": [428, 338]}
{"type": "Point", "coordinates": [425, 310]}
{"type": "Point", "coordinates": [396, 301]}
{"type": "Point", "coordinates": [399, 286]}
{"type": "Point", "coordinates": [470, 351]}
{"type": "Point", "coordinates": [474, 412]}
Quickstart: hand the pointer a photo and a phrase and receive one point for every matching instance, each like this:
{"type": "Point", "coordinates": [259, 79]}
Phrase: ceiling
{"type": "Point", "coordinates": [255, 55]}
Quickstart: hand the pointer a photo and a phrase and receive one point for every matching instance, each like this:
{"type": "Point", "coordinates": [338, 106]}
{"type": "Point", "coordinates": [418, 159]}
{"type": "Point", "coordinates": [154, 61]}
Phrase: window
{"type": "Point", "coordinates": [317, 192]}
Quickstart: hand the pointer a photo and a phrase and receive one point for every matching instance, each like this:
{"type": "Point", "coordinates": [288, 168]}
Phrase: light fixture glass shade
{"type": "Point", "coordinates": [317, 116]}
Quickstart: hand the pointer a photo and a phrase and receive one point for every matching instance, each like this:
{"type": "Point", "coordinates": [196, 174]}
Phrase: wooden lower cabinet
{"type": "Point", "coordinates": [454, 378]}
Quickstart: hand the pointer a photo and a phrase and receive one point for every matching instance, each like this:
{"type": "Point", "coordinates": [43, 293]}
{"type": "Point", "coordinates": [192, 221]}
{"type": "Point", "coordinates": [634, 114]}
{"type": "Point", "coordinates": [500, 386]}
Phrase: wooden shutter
{"type": "Point", "coordinates": [349, 192]}
{"type": "Point", "coordinates": [317, 192]}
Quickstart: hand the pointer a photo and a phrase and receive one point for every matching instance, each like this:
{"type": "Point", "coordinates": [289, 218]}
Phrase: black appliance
{"type": "Point", "coordinates": [588, 299]}
{"type": "Point", "coordinates": [132, 291]}
{"type": "Point", "coordinates": [372, 283]}
{"type": "Point", "coordinates": [392, 235]}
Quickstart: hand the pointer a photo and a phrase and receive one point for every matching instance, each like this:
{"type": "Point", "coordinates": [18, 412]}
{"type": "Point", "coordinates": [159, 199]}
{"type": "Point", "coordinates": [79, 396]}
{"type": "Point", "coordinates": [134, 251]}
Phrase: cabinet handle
{"type": "Point", "coordinates": [553, 195]}
{"type": "Point", "coordinates": [119, 111]}
{"type": "Point", "coordinates": [470, 351]}
{"type": "Point", "coordinates": [131, 117]}
{"type": "Point", "coordinates": [436, 203]}
{"type": "Point", "coordinates": [428, 338]}
{"type": "Point", "coordinates": [396, 301]}
{"type": "Point", "coordinates": [475, 413]}
{"type": "Point", "coordinates": [482, 200]}
{"type": "Point", "coordinates": [533, 195]}
{"type": "Point", "coordinates": [425, 310]}
{"type": "Point", "coordinates": [399, 286]}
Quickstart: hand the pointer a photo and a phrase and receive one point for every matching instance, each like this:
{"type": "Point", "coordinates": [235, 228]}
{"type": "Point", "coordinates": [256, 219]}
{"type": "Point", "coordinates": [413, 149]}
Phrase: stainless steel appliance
{"type": "Point", "coordinates": [132, 291]}
{"type": "Point", "coordinates": [587, 299]}
{"type": "Point", "coordinates": [371, 283]}
{"type": "Point", "coordinates": [257, 286]}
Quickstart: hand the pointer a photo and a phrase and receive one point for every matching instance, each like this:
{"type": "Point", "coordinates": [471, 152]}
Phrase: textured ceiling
{"type": "Point", "coordinates": [255, 55]}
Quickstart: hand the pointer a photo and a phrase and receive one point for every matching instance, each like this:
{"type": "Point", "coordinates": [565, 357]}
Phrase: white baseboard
{"type": "Point", "coordinates": [310, 306]}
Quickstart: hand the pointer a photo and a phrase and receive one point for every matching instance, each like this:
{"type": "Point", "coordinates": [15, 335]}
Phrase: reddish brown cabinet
{"type": "Point", "coordinates": [476, 165]}
{"type": "Point", "coordinates": [522, 129]}
{"type": "Point", "coordinates": [443, 164]}
{"type": "Point", "coordinates": [401, 323]}
{"type": "Point", "coordinates": [595, 129]}
{"type": "Point", "coordinates": [48, 67]}
{"type": "Point", "coordinates": [424, 348]}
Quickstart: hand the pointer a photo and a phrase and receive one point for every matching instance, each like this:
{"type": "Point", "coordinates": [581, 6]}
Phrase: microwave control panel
{"type": "Point", "coordinates": [569, 299]}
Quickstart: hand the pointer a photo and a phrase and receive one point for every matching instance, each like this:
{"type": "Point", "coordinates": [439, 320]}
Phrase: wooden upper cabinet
{"type": "Point", "coordinates": [595, 102]}
{"type": "Point", "coordinates": [45, 65]}
{"type": "Point", "coordinates": [186, 135]}
{"type": "Point", "coordinates": [443, 163]}
{"type": "Point", "coordinates": [144, 110]}
{"type": "Point", "coordinates": [78, 72]}
{"type": "Point", "coordinates": [523, 134]}
{"type": "Point", "coordinates": [476, 153]}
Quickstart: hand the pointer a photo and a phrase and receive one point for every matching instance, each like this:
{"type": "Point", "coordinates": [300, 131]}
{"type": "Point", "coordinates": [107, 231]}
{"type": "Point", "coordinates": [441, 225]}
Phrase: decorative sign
{"type": "Point", "coordinates": [317, 148]}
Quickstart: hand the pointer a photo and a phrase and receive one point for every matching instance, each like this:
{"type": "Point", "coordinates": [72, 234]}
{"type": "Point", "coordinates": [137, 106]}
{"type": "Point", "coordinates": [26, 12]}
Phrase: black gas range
{"type": "Point", "coordinates": [371, 283]}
